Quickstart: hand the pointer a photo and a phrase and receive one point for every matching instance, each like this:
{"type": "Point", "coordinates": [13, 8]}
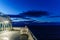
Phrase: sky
{"type": "Point", "coordinates": [15, 7]}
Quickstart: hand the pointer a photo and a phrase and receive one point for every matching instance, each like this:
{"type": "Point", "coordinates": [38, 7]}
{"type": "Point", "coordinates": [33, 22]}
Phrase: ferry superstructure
{"type": "Point", "coordinates": [7, 32]}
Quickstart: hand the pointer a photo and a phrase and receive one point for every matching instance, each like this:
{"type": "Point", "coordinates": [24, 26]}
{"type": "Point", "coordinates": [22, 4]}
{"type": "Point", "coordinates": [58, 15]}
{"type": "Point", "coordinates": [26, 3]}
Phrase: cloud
{"type": "Point", "coordinates": [34, 13]}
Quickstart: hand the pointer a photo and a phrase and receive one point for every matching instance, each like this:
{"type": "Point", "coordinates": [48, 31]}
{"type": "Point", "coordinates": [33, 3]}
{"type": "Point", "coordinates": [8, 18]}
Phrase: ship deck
{"type": "Point", "coordinates": [15, 32]}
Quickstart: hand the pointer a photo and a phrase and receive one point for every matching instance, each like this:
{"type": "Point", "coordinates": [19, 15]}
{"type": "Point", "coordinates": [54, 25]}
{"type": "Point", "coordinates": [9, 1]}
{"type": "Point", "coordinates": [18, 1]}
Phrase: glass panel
{"type": "Point", "coordinates": [7, 26]}
{"type": "Point", "coordinates": [0, 26]}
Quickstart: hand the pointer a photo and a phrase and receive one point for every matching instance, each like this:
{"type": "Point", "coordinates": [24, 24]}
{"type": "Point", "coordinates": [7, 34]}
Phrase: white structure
{"type": "Point", "coordinates": [5, 23]}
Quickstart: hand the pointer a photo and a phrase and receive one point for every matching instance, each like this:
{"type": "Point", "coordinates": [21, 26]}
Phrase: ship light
{"type": "Point", "coordinates": [6, 21]}
{"type": "Point", "coordinates": [5, 38]}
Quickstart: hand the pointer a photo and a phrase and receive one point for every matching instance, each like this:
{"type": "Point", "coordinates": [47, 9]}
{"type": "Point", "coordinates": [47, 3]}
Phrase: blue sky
{"type": "Point", "coordinates": [15, 7]}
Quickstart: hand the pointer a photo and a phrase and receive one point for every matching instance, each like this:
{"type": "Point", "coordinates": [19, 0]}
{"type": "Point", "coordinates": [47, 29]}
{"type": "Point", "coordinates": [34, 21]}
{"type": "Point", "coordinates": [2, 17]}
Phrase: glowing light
{"type": "Point", "coordinates": [6, 21]}
{"type": "Point", "coordinates": [5, 38]}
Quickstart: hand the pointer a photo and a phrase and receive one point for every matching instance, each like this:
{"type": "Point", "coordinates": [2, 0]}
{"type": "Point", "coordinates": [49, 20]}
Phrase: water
{"type": "Point", "coordinates": [46, 32]}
